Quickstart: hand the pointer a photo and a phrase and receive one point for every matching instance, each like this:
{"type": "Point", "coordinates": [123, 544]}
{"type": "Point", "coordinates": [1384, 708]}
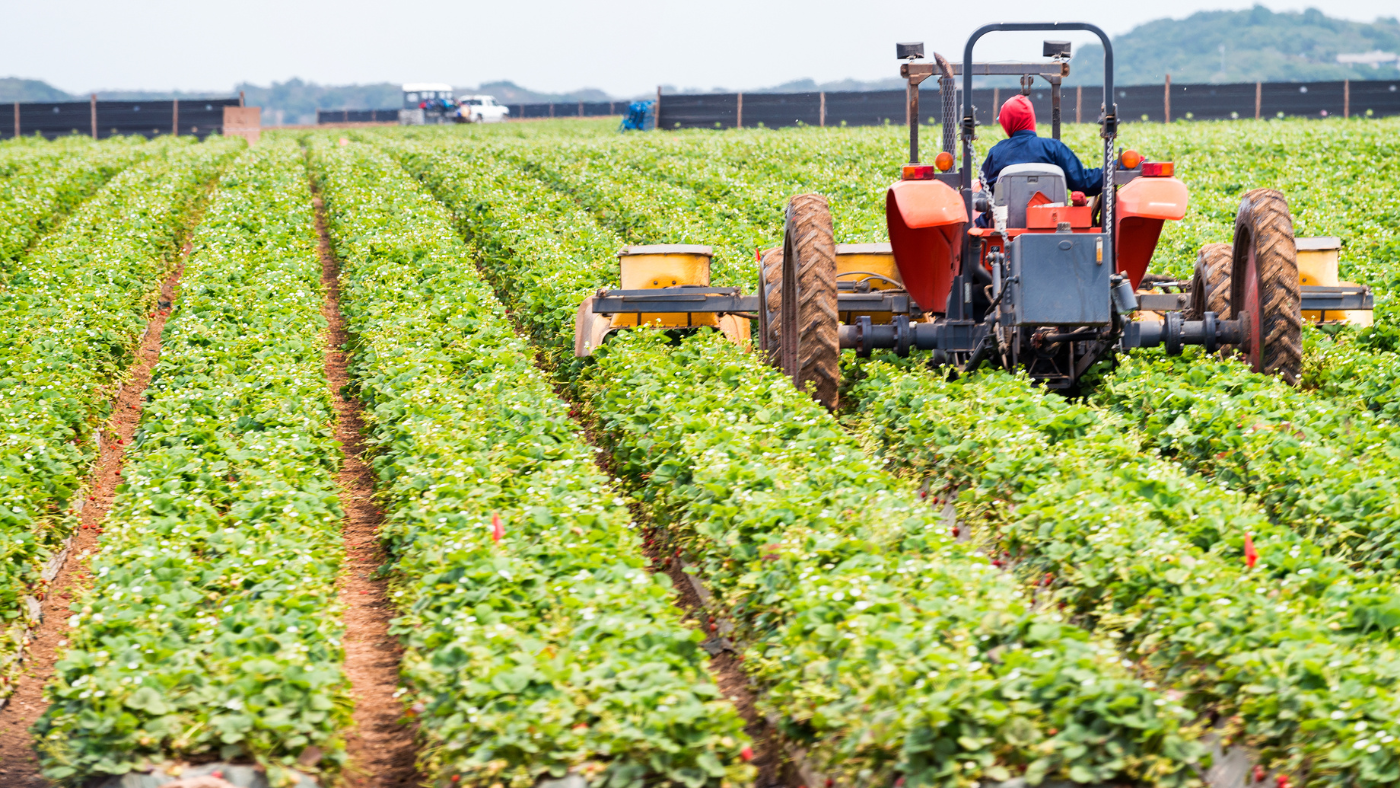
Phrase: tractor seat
{"type": "Point", "coordinates": [1018, 183]}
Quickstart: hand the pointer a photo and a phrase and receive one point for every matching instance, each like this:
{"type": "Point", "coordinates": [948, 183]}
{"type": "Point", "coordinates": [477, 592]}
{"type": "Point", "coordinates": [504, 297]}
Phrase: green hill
{"type": "Point", "coordinates": [16, 89]}
{"type": "Point", "coordinates": [1258, 45]}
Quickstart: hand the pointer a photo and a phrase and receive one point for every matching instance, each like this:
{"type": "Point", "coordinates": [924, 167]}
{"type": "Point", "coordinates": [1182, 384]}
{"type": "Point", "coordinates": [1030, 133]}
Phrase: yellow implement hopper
{"type": "Point", "coordinates": [865, 268]}
{"type": "Point", "coordinates": [1317, 268]}
{"type": "Point", "coordinates": [1322, 297]}
{"type": "Point", "coordinates": [664, 276]}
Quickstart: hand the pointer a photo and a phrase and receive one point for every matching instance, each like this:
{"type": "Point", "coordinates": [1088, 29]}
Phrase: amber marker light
{"type": "Point", "coordinates": [918, 172]}
{"type": "Point", "coordinates": [944, 161]}
{"type": "Point", "coordinates": [1158, 169]}
{"type": "Point", "coordinates": [1131, 159]}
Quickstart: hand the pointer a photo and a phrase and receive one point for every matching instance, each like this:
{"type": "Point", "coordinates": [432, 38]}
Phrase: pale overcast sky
{"type": "Point", "coordinates": [624, 47]}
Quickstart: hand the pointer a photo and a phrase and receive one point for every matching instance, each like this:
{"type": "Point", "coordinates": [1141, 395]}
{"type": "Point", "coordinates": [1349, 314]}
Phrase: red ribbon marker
{"type": "Point", "coordinates": [497, 530]}
{"type": "Point", "coordinates": [1251, 556]}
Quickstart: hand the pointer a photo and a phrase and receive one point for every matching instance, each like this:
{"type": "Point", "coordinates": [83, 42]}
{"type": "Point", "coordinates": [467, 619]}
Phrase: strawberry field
{"type": "Point", "coordinates": [663, 564]}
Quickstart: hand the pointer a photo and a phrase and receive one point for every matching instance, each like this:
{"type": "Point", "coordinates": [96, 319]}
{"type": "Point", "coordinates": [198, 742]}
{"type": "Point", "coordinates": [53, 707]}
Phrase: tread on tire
{"type": "Point", "coordinates": [1264, 275]}
{"type": "Point", "coordinates": [798, 326]}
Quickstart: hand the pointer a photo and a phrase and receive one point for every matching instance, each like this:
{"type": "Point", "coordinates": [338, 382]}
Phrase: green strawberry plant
{"type": "Point", "coordinates": [43, 184]}
{"type": "Point", "coordinates": [1324, 466]}
{"type": "Point", "coordinates": [212, 630]}
{"type": "Point", "coordinates": [73, 313]}
{"type": "Point", "coordinates": [537, 643]}
{"type": "Point", "coordinates": [1203, 592]}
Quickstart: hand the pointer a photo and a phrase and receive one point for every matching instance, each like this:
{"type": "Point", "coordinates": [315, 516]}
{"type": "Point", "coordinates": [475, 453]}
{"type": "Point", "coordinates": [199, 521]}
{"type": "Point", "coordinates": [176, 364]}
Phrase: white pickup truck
{"type": "Point", "coordinates": [480, 109]}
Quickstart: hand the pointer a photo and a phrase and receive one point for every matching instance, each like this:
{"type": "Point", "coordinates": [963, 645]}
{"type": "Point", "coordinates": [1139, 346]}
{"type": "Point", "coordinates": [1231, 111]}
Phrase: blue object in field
{"type": "Point", "coordinates": [641, 116]}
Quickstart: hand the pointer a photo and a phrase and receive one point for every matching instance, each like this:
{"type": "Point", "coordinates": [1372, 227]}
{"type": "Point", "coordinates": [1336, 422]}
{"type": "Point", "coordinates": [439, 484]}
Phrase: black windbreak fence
{"type": "Point", "coordinates": [102, 119]}
{"type": "Point", "coordinates": [1150, 103]}
{"type": "Point", "coordinates": [568, 109]}
{"type": "Point", "coordinates": [357, 115]}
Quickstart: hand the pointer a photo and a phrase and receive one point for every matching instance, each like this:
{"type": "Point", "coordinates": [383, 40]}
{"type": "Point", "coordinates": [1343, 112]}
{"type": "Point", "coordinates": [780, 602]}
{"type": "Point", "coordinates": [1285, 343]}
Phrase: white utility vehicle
{"type": "Point", "coordinates": [481, 109]}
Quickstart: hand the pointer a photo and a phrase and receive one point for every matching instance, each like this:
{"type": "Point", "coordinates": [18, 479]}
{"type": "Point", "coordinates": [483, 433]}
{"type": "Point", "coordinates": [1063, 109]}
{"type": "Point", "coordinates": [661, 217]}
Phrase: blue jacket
{"type": "Point", "coordinates": [1024, 147]}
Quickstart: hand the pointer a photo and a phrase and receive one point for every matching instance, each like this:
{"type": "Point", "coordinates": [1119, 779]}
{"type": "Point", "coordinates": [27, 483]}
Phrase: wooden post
{"type": "Point", "coordinates": [1167, 101]}
{"type": "Point", "coordinates": [823, 109]}
{"type": "Point", "coordinates": [245, 122]}
{"type": "Point", "coordinates": [996, 103]}
{"type": "Point", "coordinates": [240, 98]}
{"type": "Point", "coordinates": [175, 119]}
{"type": "Point", "coordinates": [657, 114]}
{"type": "Point", "coordinates": [1346, 98]}
{"type": "Point", "coordinates": [551, 109]}
{"type": "Point", "coordinates": [16, 120]}
{"type": "Point", "coordinates": [92, 110]}
{"type": "Point", "coordinates": [739, 113]}
{"type": "Point", "coordinates": [580, 109]}
{"type": "Point", "coordinates": [1079, 104]}
{"type": "Point", "coordinates": [1258, 98]}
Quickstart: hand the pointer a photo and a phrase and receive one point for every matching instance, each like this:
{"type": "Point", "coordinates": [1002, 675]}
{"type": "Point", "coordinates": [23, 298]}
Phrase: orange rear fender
{"type": "Point", "coordinates": [1153, 198]}
{"type": "Point", "coordinates": [1144, 204]}
{"type": "Point", "coordinates": [926, 221]}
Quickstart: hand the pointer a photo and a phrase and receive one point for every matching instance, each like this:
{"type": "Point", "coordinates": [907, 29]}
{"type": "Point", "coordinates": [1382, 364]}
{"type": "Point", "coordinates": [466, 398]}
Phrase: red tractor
{"type": "Point", "coordinates": [1052, 286]}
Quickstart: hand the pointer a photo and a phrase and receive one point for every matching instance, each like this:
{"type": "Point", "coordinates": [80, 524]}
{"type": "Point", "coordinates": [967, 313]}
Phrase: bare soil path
{"type": "Point", "coordinates": [727, 667]}
{"type": "Point", "coordinates": [381, 744]}
{"type": "Point", "coordinates": [19, 768]}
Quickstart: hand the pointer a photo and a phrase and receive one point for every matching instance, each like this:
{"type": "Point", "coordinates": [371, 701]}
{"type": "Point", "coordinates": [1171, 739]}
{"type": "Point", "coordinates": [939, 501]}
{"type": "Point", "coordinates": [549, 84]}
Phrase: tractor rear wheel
{"type": "Point", "coordinates": [798, 320]}
{"type": "Point", "coordinates": [1210, 284]}
{"type": "Point", "coordinates": [1264, 284]}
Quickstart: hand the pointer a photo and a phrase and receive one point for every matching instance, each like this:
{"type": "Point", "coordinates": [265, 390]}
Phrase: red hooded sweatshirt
{"type": "Point", "coordinates": [1017, 114]}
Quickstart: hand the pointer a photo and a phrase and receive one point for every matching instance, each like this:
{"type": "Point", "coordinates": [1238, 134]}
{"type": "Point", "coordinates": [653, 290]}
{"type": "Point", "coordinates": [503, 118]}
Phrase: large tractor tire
{"type": "Point", "coordinates": [1264, 284]}
{"type": "Point", "coordinates": [797, 318]}
{"type": "Point", "coordinates": [1210, 283]}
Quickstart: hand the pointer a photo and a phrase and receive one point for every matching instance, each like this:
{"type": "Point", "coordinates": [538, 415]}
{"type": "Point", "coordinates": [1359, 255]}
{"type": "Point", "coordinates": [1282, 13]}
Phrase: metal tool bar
{"type": "Point", "coordinates": [1329, 299]}
{"type": "Point", "coordinates": [612, 302]}
{"type": "Point", "coordinates": [1314, 298]}
{"type": "Point", "coordinates": [1015, 69]}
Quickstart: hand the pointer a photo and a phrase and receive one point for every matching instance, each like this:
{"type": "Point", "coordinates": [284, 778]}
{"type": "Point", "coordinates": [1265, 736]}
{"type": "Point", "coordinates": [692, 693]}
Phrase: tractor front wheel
{"type": "Point", "coordinates": [1264, 284]}
{"type": "Point", "coordinates": [797, 314]}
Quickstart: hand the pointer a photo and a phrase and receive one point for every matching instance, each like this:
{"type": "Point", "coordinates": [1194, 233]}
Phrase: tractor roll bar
{"type": "Point", "coordinates": [1108, 123]}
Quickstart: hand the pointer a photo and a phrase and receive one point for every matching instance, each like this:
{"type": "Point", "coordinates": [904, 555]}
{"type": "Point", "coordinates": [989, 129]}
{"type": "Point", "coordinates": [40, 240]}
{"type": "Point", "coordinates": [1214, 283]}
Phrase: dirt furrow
{"type": "Point", "coordinates": [19, 768]}
{"type": "Point", "coordinates": [381, 745]}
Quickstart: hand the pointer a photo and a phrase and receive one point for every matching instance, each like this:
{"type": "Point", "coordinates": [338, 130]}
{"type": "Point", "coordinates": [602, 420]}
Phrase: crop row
{"type": "Point", "coordinates": [1323, 465]}
{"type": "Point", "coordinates": [1347, 370]}
{"type": "Point", "coordinates": [212, 630]}
{"type": "Point", "coordinates": [642, 210]}
{"type": "Point", "coordinates": [71, 318]}
{"type": "Point", "coordinates": [40, 188]}
{"type": "Point", "coordinates": [536, 640]}
{"type": "Point", "coordinates": [543, 300]}
{"type": "Point", "coordinates": [1249, 619]}
{"type": "Point", "coordinates": [882, 645]}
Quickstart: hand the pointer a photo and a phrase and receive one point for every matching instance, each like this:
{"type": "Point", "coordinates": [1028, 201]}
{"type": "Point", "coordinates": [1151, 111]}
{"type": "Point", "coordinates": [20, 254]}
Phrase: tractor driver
{"type": "Point", "coordinates": [1022, 146]}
